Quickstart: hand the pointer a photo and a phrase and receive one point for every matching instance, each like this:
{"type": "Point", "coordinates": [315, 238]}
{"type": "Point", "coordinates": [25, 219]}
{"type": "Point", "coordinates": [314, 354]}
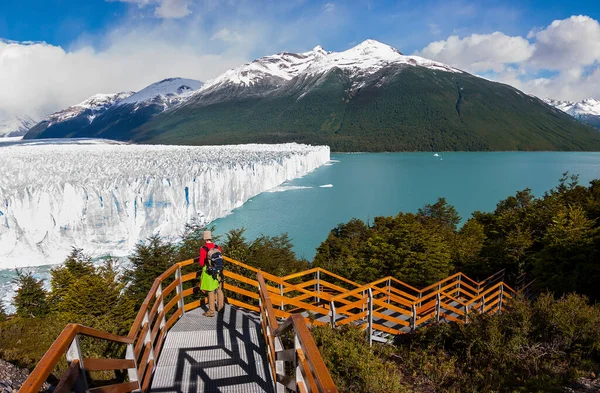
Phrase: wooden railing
{"type": "Point", "coordinates": [385, 308]}
{"type": "Point", "coordinates": [311, 374]}
{"type": "Point", "coordinates": [75, 378]}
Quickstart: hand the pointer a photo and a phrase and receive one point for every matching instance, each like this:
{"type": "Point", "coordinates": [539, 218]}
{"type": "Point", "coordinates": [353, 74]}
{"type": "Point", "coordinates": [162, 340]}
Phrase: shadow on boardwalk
{"type": "Point", "coordinates": [225, 353]}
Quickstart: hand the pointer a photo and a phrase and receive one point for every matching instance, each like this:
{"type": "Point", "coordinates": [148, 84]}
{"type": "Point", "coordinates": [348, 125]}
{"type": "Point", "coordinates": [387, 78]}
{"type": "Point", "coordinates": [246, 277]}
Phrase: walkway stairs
{"type": "Point", "coordinates": [172, 347]}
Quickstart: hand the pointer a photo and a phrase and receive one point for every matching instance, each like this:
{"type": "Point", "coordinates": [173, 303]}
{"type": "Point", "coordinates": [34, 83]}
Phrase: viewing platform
{"type": "Point", "coordinates": [172, 347]}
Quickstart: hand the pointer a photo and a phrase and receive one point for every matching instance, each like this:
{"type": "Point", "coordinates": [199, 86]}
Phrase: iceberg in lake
{"type": "Point", "coordinates": [105, 198]}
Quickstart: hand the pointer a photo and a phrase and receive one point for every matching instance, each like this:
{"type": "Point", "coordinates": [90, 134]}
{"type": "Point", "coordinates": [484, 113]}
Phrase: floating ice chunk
{"type": "Point", "coordinates": [436, 155]}
{"type": "Point", "coordinates": [326, 186]}
{"type": "Point", "coordinates": [288, 188]}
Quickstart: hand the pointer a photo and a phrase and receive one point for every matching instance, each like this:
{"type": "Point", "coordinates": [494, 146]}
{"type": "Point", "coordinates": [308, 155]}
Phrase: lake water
{"type": "Point", "coordinates": [369, 185]}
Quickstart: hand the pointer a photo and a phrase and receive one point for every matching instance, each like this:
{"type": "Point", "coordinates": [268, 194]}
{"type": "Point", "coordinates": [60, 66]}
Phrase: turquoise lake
{"type": "Point", "coordinates": [368, 185]}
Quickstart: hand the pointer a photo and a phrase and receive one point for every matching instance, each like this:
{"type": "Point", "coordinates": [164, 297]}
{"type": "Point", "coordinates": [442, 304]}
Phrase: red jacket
{"type": "Point", "coordinates": [210, 246]}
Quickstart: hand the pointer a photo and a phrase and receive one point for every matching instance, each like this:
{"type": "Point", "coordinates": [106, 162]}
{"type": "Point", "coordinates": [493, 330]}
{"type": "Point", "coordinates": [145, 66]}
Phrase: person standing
{"type": "Point", "coordinates": [209, 282]}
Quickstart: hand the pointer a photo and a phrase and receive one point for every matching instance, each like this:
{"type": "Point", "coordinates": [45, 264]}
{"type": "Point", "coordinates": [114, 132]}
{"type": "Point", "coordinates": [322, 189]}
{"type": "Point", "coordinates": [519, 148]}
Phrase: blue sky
{"type": "Point", "coordinates": [408, 25]}
{"type": "Point", "coordinates": [81, 47]}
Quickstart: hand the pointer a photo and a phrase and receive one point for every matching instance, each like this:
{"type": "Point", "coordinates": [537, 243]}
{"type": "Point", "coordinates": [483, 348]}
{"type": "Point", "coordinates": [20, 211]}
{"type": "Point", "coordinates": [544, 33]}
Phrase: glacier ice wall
{"type": "Point", "coordinates": [105, 198]}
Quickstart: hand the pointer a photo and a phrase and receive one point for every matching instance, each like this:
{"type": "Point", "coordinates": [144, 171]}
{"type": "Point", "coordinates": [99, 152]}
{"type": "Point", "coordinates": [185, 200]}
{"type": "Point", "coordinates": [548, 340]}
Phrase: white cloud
{"type": "Point", "coordinates": [226, 35]}
{"type": "Point", "coordinates": [567, 43]}
{"type": "Point", "coordinates": [329, 7]}
{"type": "Point", "coordinates": [479, 52]}
{"type": "Point", "coordinates": [567, 53]}
{"type": "Point", "coordinates": [168, 9]}
{"type": "Point", "coordinates": [39, 78]}
{"type": "Point", "coordinates": [173, 9]}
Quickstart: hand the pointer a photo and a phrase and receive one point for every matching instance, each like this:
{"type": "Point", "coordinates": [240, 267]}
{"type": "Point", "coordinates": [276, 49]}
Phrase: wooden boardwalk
{"type": "Point", "coordinates": [225, 354]}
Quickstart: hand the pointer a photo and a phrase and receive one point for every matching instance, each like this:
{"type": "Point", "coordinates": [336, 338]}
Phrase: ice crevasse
{"type": "Point", "coordinates": [105, 198]}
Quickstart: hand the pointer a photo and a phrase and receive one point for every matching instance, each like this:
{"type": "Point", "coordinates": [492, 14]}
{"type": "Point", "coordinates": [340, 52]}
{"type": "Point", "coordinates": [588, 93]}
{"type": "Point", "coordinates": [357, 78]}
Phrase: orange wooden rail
{"type": "Point", "coordinates": [311, 373]}
{"type": "Point", "coordinates": [384, 307]}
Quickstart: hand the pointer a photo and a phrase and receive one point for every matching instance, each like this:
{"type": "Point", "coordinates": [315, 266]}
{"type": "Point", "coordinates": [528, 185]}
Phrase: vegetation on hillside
{"type": "Point", "coordinates": [539, 346]}
{"type": "Point", "coordinates": [415, 109]}
{"type": "Point", "coordinates": [535, 346]}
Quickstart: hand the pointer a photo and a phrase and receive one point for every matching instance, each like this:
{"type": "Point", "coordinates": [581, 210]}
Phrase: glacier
{"type": "Point", "coordinates": [105, 197]}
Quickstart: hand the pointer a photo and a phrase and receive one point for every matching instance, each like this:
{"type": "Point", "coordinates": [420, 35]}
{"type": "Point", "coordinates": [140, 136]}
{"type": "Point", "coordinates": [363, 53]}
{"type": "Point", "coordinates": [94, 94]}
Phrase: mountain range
{"type": "Point", "coordinates": [11, 126]}
{"type": "Point", "coordinates": [587, 111]}
{"type": "Point", "coordinates": [368, 98]}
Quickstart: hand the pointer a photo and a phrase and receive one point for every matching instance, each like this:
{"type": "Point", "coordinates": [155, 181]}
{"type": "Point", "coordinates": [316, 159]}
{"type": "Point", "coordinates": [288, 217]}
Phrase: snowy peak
{"type": "Point", "coordinates": [587, 107]}
{"type": "Point", "coordinates": [11, 125]}
{"type": "Point", "coordinates": [365, 58]}
{"type": "Point", "coordinates": [165, 89]}
{"type": "Point", "coordinates": [94, 104]}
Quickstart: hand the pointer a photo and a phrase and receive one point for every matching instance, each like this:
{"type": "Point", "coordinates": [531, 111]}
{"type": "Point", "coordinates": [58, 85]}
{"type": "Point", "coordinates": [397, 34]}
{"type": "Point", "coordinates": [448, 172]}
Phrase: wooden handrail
{"type": "Point", "coordinates": [150, 326]}
{"type": "Point", "coordinates": [60, 346]}
{"type": "Point", "coordinates": [307, 353]}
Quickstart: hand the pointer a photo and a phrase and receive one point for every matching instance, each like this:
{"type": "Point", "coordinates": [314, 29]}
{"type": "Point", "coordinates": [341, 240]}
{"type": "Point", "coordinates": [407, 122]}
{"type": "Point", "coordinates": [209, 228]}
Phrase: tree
{"type": "Point", "coordinates": [409, 250]}
{"type": "Point", "coordinates": [62, 277]}
{"type": "Point", "coordinates": [274, 255]}
{"type": "Point", "coordinates": [149, 260]}
{"type": "Point", "coordinates": [569, 260]}
{"type": "Point", "coordinates": [442, 212]}
{"type": "Point", "coordinates": [467, 248]}
{"type": "Point", "coordinates": [236, 246]}
{"type": "Point", "coordinates": [96, 294]}
{"type": "Point", "coordinates": [341, 253]}
{"type": "Point", "coordinates": [31, 300]}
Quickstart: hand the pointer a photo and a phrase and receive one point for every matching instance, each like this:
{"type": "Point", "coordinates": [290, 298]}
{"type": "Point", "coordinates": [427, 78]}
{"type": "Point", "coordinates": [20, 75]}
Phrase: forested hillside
{"type": "Point", "coordinates": [399, 108]}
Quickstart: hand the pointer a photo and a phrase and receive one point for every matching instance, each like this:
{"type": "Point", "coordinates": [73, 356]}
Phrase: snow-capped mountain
{"type": "Point", "coordinates": [588, 110]}
{"type": "Point", "coordinates": [170, 91]}
{"type": "Point", "coordinates": [358, 62]}
{"type": "Point", "coordinates": [123, 110]}
{"type": "Point", "coordinates": [368, 98]}
{"type": "Point", "coordinates": [89, 108]}
{"type": "Point", "coordinates": [11, 126]}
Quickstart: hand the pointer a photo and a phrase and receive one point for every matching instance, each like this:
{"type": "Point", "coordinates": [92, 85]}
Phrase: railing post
{"type": "Point", "coordinates": [74, 352]}
{"type": "Point", "coordinates": [297, 347]}
{"type": "Point", "coordinates": [370, 317]}
{"type": "Point", "coordinates": [500, 296]}
{"type": "Point", "coordinates": [132, 373]}
{"type": "Point", "coordinates": [362, 306]}
{"type": "Point", "coordinates": [389, 290]}
{"type": "Point", "coordinates": [148, 339]}
{"type": "Point", "coordinates": [438, 306]}
{"type": "Point", "coordinates": [161, 306]}
{"type": "Point", "coordinates": [482, 304]}
{"type": "Point", "coordinates": [332, 313]}
{"type": "Point", "coordinates": [180, 303]}
{"type": "Point", "coordinates": [413, 319]}
{"type": "Point", "coordinates": [420, 296]}
{"type": "Point", "coordinates": [318, 285]}
{"type": "Point", "coordinates": [466, 313]}
{"type": "Point", "coordinates": [459, 279]}
{"type": "Point", "coordinates": [281, 294]}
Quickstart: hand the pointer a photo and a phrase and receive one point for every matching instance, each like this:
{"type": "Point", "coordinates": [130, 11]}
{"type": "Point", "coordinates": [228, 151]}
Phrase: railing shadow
{"type": "Point", "coordinates": [237, 362]}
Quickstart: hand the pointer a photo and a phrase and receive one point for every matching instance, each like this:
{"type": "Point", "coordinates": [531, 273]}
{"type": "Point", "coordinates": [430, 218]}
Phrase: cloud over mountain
{"type": "Point", "coordinates": [560, 60]}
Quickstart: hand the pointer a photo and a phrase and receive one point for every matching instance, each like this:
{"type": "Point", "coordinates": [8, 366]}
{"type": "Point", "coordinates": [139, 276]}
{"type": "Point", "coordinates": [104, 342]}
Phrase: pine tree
{"type": "Point", "coordinates": [149, 260]}
{"type": "Point", "coordinates": [236, 246]}
{"type": "Point", "coordinates": [31, 300]}
{"type": "Point", "coordinates": [443, 212]}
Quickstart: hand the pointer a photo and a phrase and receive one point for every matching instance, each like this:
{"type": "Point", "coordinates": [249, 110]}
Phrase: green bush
{"type": "Point", "coordinates": [354, 366]}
